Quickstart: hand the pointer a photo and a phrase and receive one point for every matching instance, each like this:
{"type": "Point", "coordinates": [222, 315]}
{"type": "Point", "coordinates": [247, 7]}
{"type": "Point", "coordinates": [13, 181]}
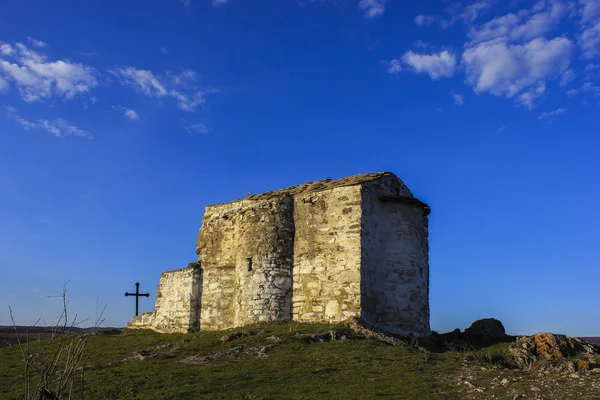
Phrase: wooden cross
{"type": "Point", "coordinates": [137, 295]}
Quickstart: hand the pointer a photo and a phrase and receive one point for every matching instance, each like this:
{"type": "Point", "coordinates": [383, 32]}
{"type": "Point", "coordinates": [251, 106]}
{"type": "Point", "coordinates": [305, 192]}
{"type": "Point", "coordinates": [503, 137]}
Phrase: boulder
{"type": "Point", "coordinates": [489, 328]}
{"type": "Point", "coordinates": [557, 350]}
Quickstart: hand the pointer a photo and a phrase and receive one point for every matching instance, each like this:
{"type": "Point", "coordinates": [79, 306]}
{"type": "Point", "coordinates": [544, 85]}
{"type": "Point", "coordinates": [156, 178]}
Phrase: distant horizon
{"type": "Point", "coordinates": [120, 122]}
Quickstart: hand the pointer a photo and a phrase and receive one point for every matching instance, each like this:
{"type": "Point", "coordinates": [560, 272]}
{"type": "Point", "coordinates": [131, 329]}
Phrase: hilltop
{"type": "Point", "coordinates": [304, 361]}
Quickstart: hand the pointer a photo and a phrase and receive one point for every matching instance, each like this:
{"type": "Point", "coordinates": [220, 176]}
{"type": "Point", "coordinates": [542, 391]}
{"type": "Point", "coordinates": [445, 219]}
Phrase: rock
{"type": "Point", "coordinates": [489, 328]}
{"type": "Point", "coordinates": [582, 365]}
{"type": "Point", "coordinates": [554, 350]}
{"type": "Point", "coordinates": [236, 335]}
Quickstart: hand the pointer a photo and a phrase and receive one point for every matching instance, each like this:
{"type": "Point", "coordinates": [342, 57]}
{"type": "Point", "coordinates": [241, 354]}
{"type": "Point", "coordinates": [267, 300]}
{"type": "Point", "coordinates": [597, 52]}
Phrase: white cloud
{"type": "Point", "coordinates": [37, 43]}
{"type": "Point", "coordinates": [589, 87]}
{"type": "Point", "coordinates": [131, 114]}
{"type": "Point", "coordinates": [440, 65]}
{"type": "Point", "coordinates": [128, 112]}
{"type": "Point", "coordinates": [459, 99]}
{"type": "Point", "coordinates": [540, 23]}
{"type": "Point", "coordinates": [567, 77]}
{"type": "Point", "coordinates": [58, 127]}
{"type": "Point", "coordinates": [197, 128]}
{"type": "Point", "coordinates": [424, 20]}
{"type": "Point", "coordinates": [372, 8]}
{"type": "Point", "coordinates": [163, 50]}
{"type": "Point", "coordinates": [3, 85]}
{"type": "Point", "coordinates": [501, 129]}
{"type": "Point", "coordinates": [590, 9]}
{"type": "Point", "coordinates": [142, 81]}
{"type": "Point", "coordinates": [183, 88]}
{"type": "Point", "coordinates": [552, 113]}
{"type": "Point", "coordinates": [186, 3]}
{"type": "Point", "coordinates": [394, 66]}
{"type": "Point", "coordinates": [37, 78]}
{"type": "Point", "coordinates": [497, 27]}
{"type": "Point", "coordinates": [505, 70]}
{"type": "Point", "coordinates": [528, 98]}
{"type": "Point", "coordinates": [6, 49]}
{"type": "Point", "coordinates": [591, 67]}
{"type": "Point", "coordinates": [217, 3]}
{"type": "Point", "coordinates": [524, 25]}
{"type": "Point", "coordinates": [589, 40]}
{"type": "Point", "coordinates": [472, 11]}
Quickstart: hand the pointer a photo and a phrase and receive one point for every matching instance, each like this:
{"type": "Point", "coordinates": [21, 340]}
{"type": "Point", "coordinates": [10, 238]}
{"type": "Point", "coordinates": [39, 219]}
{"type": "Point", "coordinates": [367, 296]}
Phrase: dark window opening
{"type": "Point", "coordinates": [249, 264]}
{"type": "Point", "coordinates": [397, 191]}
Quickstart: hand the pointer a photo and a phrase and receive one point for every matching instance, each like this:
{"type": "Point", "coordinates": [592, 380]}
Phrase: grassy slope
{"type": "Point", "coordinates": [293, 369]}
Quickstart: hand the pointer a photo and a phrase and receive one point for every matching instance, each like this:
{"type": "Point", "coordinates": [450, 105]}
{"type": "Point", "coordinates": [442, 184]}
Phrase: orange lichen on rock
{"type": "Point", "coordinates": [583, 365]}
{"type": "Point", "coordinates": [552, 346]}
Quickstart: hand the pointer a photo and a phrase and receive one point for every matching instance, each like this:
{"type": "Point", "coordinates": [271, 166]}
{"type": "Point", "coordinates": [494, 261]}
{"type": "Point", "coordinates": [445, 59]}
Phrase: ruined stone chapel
{"type": "Point", "coordinates": [324, 251]}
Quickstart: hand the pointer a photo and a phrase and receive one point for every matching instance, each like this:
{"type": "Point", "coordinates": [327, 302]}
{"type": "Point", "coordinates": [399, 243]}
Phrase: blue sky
{"type": "Point", "coordinates": [120, 121]}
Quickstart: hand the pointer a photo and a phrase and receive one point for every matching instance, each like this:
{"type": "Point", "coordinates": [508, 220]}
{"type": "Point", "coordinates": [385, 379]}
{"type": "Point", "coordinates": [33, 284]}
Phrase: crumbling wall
{"type": "Point", "coordinates": [246, 252]}
{"type": "Point", "coordinates": [177, 303]}
{"type": "Point", "coordinates": [327, 254]}
{"type": "Point", "coordinates": [323, 251]}
{"type": "Point", "coordinates": [395, 265]}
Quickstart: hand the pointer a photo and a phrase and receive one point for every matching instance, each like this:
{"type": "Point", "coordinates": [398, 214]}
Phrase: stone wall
{"type": "Point", "coordinates": [246, 251]}
{"type": "Point", "coordinates": [395, 265]}
{"type": "Point", "coordinates": [323, 251]}
{"type": "Point", "coordinates": [177, 302]}
{"type": "Point", "coordinates": [327, 255]}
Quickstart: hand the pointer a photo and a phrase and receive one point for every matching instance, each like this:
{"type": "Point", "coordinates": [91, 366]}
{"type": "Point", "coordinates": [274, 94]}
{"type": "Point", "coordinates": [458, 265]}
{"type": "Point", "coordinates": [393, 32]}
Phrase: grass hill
{"type": "Point", "coordinates": [296, 361]}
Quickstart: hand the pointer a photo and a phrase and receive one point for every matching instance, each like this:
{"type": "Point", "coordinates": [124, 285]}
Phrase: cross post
{"type": "Point", "coordinates": [137, 295]}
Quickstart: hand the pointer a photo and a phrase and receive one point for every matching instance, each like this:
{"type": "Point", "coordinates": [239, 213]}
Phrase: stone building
{"type": "Point", "coordinates": [323, 251]}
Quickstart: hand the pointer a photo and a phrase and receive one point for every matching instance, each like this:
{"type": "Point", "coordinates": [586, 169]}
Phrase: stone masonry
{"type": "Point", "coordinates": [324, 251]}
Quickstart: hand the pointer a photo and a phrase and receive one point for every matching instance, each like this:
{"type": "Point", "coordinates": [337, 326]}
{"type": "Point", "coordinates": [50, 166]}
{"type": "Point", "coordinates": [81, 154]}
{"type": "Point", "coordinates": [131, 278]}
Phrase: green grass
{"type": "Point", "coordinates": [293, 369]}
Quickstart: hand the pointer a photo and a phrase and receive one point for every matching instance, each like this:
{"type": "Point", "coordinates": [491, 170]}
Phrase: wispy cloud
{"type": "Point", "coordinates": [141, 80]}
{"type": "Point", "coordinates": [589, 40]}
{"type": "Point", "coordinates": [186, 3]}
{"type": "Point", "coordinates": [567, 77]}
{"type": "Point", "coordinates": [372, 8]}
{"type": "Point", "coordinates": [164, 51]}
{"type": "Point", "coordinates": [529, 97]}
{"type": "Point", "coordinates": [590, 10]}
{"type": "Point", "coordinates": [436, 65]}
{"type": "Point", "coordinates": [394, 66]}
{"type": "Point", "coordinates": [424, 20]}
{"type": "Point", "coordinates": [37, 78]}
{"type": "Point", "coordinates": [197, 128]}
{"type": "Point", "coordinates": [501, 129]}
{"type": "Point", "coordinates": [37, 43]}
{"type": "Point", "coordinates": [58, 127]}
{"type": "Point", "coordinates": [558, 111]}
{"type": "Point", "coordinates": [458, 99]}
{"type": "Point", "coordinates": [4, 85]}
{"type": "Point", "coordinates": [183, 87]}
{"type": "Point", "coordinates": [128, 112]}
{"type": "Point", "coordinates": [217, 3]}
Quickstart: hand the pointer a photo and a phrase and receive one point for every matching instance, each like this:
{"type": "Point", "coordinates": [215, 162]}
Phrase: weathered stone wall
{"type": "Point", "coordinates": [323, 251]}
{"type": "Point", "coordinates": [327, 254]}
{"type": "Point", "coordinates": [395, 266]}
{"type": "Point", "coordinates": [246, 251]}
{"type": "Point", "coordinates": [177, 303]}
